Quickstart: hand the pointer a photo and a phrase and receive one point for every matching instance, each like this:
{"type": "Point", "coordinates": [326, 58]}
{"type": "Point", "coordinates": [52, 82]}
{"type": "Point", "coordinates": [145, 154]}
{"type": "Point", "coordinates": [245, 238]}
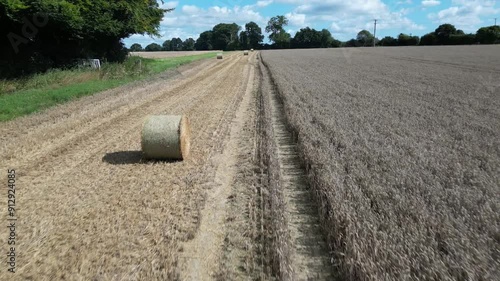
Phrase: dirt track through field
{"type": "Point", "coordinates": [203, 254]}
{"type": "Point", "coordinates": [310, 258]}
{"type": "Point", "coordinates": [90, 209]}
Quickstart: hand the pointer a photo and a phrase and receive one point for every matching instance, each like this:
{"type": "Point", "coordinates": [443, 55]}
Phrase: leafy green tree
{"type": "Point", "coordinates": [176, 44]}
{"type": "Point", "coordinates": [365, 38]}
{"type": "Point", "coordinates": [60, 31]}
{"type": "Point", "coordinates": [244, 41]}
{"type": "Point", "coordinates": [327, 40]}
{"type": "Point", "coordinates": [488, 35]}
{"type": "Point", "coordinates": [351, 43]}
{"type": "Point", "coordinates": [336, 43]}
{"type": "Point", "coordinates": [388, 41]}
{"type": "Point", "coordinates": [407, 40]}
{"type": "Point", "coordinates": [136, 47]}
{"type": "Point", "coordinates": [225, 36]}
{"type": "Point", "coordinates": [153, 47]}
{"type": "Point", "coordinates": [254, 34]}
{"type": "Point", "coordinates": [167, 45]}
{"type": "Point", "coordinates": [307, 38]}
{"type": "Point", "coordinates": [443, 33]}
{"type": "Point", "coordinates": [188, 44]}
{"type": "Point", "coordinates": [462, 39]}
{"type": "Point", "coordinates": [204, 42]}
{"type": "Point", "coordinates": [278, 34]}
{"type": "Point", "coordinates": [429, 39]}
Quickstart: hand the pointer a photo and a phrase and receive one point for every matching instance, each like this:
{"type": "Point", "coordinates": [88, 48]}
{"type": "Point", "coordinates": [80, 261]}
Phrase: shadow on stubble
{"type": "Point", "coordinates": [131, 157]}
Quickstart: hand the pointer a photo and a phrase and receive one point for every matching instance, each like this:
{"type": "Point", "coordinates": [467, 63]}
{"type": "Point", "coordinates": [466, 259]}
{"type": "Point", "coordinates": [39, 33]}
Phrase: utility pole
{"type": "Point", "coordinates": [375, 33]}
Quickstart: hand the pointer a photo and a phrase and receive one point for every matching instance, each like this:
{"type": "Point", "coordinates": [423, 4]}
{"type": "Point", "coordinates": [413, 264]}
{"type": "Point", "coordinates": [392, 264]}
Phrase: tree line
{"type": "Point", "coordinates": [38, 35]}
{"type": "Point", "coordinates": [42, 34]}
{"type": "Point", "coordinates": [228, 37]}
{"type": "Point", "coordinates": [445, 34]}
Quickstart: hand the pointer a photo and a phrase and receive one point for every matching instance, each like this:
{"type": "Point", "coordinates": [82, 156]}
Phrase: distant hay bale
{"type": "Point", "coordinates": [165, 137]}
{"type": "Point", "coordinates": [219, 56]}
{"type": "Point", "coordinates": [245, 53]}
{"type": "Point", "coordinates": [251, 50]}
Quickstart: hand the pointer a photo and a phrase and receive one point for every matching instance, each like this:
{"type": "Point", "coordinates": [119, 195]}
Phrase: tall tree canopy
{"type": "Point", "coordinates": [153, 47]}
{"type": "Point", "coordinates": [244, 41]}
{"type": "Point", "coordinates": [50, 33]}
{"type": "Point", "coordinates": [307, 38]}
{"type": "Point", "coordinates": [365, 38]}
{"type": "Point", "coordinates": [188, 44]}
{"type": "Point", "coordinates": [443, 33]}
{"type": "Point", "coordinates": [136, 47]}
{"type": "Point", "coordinates": [488, 35]}
{"type": "Point", "coordinates": [204, 42]}
{"type": "Point", "coordinates": [225, 36]}
{"type": "Point", "coordinates": [407, 40]}
{"type": "Point", "coordinates": [254, 35]}
{"type": "Point", "coordinates": [278, 35]}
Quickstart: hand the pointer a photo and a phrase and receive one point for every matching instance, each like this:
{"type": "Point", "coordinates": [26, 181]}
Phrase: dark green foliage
{"type": "Point", "coordinates": [488, 35]}
{"type": "Point", "coordinates": [176, 44]}
{"type": "Point", "coordinates": [204, 42]}
{"type": "Point", "coordinates": [307, 38]}
{"type": "Point", "coordinates": [443, 33]}
{"type": "Point", "coordinates": [167, 45]}
{"type": "Point", "coordinates": [365, 38]}
{"type": "Point", "coordinates": [429, 39]}
{"type": "Point", "coordinates": [42, 34]}
{"type": "Point", "coordinates": [311, 38]}
{"type": "Point", "coordinates": [407, 40]}
{"type": "Point", "coordinates": [254, 34]}
{"type": "Point", "coordinates": [136, 47]}
{"type": "Point", "coordinates": [327, 40]}
{"type": "Point", "coordinates": [188, 44]}
{"type": "Point", "coordinates": [351, 43]}
{"type": "Point", "coordinates": [244, 41]}
{"type": "Point", "coordinates": [462, 39]}
{"type": "Point", "coordinates": [153, 47]}
{"type": "Point", "coordinates": [388, 41]}
{"type": "Point", "coordinates": [278, 34]}
{"type": "Point", "coordinates": [225, 36]}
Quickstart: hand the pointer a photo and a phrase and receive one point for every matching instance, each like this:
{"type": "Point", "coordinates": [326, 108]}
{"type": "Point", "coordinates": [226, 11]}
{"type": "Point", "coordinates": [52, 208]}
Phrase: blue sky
{"type": "Point", "coordinates": [344, 18]}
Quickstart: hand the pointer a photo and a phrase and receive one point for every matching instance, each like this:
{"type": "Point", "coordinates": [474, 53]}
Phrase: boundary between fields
{"type": "Point", "coordinates": [282, 193]}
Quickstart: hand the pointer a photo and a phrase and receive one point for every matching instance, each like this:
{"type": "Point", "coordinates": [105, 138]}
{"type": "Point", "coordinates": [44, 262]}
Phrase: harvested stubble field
{"type": "Point", "coordinates": [89, 207]}
{"type": "Point", "coordinates": [402, 149]}
{"type": "Point", "coordinates": [172, 54]}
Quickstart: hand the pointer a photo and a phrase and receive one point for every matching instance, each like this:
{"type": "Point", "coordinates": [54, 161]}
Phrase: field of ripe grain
{"type": "Point", "coordinates": [402, 149]}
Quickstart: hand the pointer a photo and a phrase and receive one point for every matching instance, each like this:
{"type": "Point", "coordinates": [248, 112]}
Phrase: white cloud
{"type": "Point", "coordinates": [264, 3]}
{"type": "Point", "coordinates": [466, 15]}
{"type": "Point", "coordinates": [431, 3]}
{"type": "Point", "coordinates": [347, 18]}
{"type": "Point", "coordinates": [169, 5]}
{"type": "Point", "coordinates": [190, 9]}
{"type": "Point", "coordinates": [190, 20]}
{"type": "Point", "coordinates": [344, 18]}
{"type": "Point", "coordinates": [295, 19]}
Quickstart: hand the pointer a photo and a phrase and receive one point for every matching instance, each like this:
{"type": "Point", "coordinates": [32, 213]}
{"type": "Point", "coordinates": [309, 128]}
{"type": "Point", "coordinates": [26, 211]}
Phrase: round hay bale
{"type": "Point", "coordinates": [245, 53]}
{"type": "Point", "coordinates": [251, 50]}
{"type": "Point", "coordinates": [219, 56]}
{"type": "Point", "coordinates": [165, 137]}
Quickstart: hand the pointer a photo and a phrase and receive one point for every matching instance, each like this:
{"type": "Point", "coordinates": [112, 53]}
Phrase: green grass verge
{"type": "Point", "coordinates": [39, 92]}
